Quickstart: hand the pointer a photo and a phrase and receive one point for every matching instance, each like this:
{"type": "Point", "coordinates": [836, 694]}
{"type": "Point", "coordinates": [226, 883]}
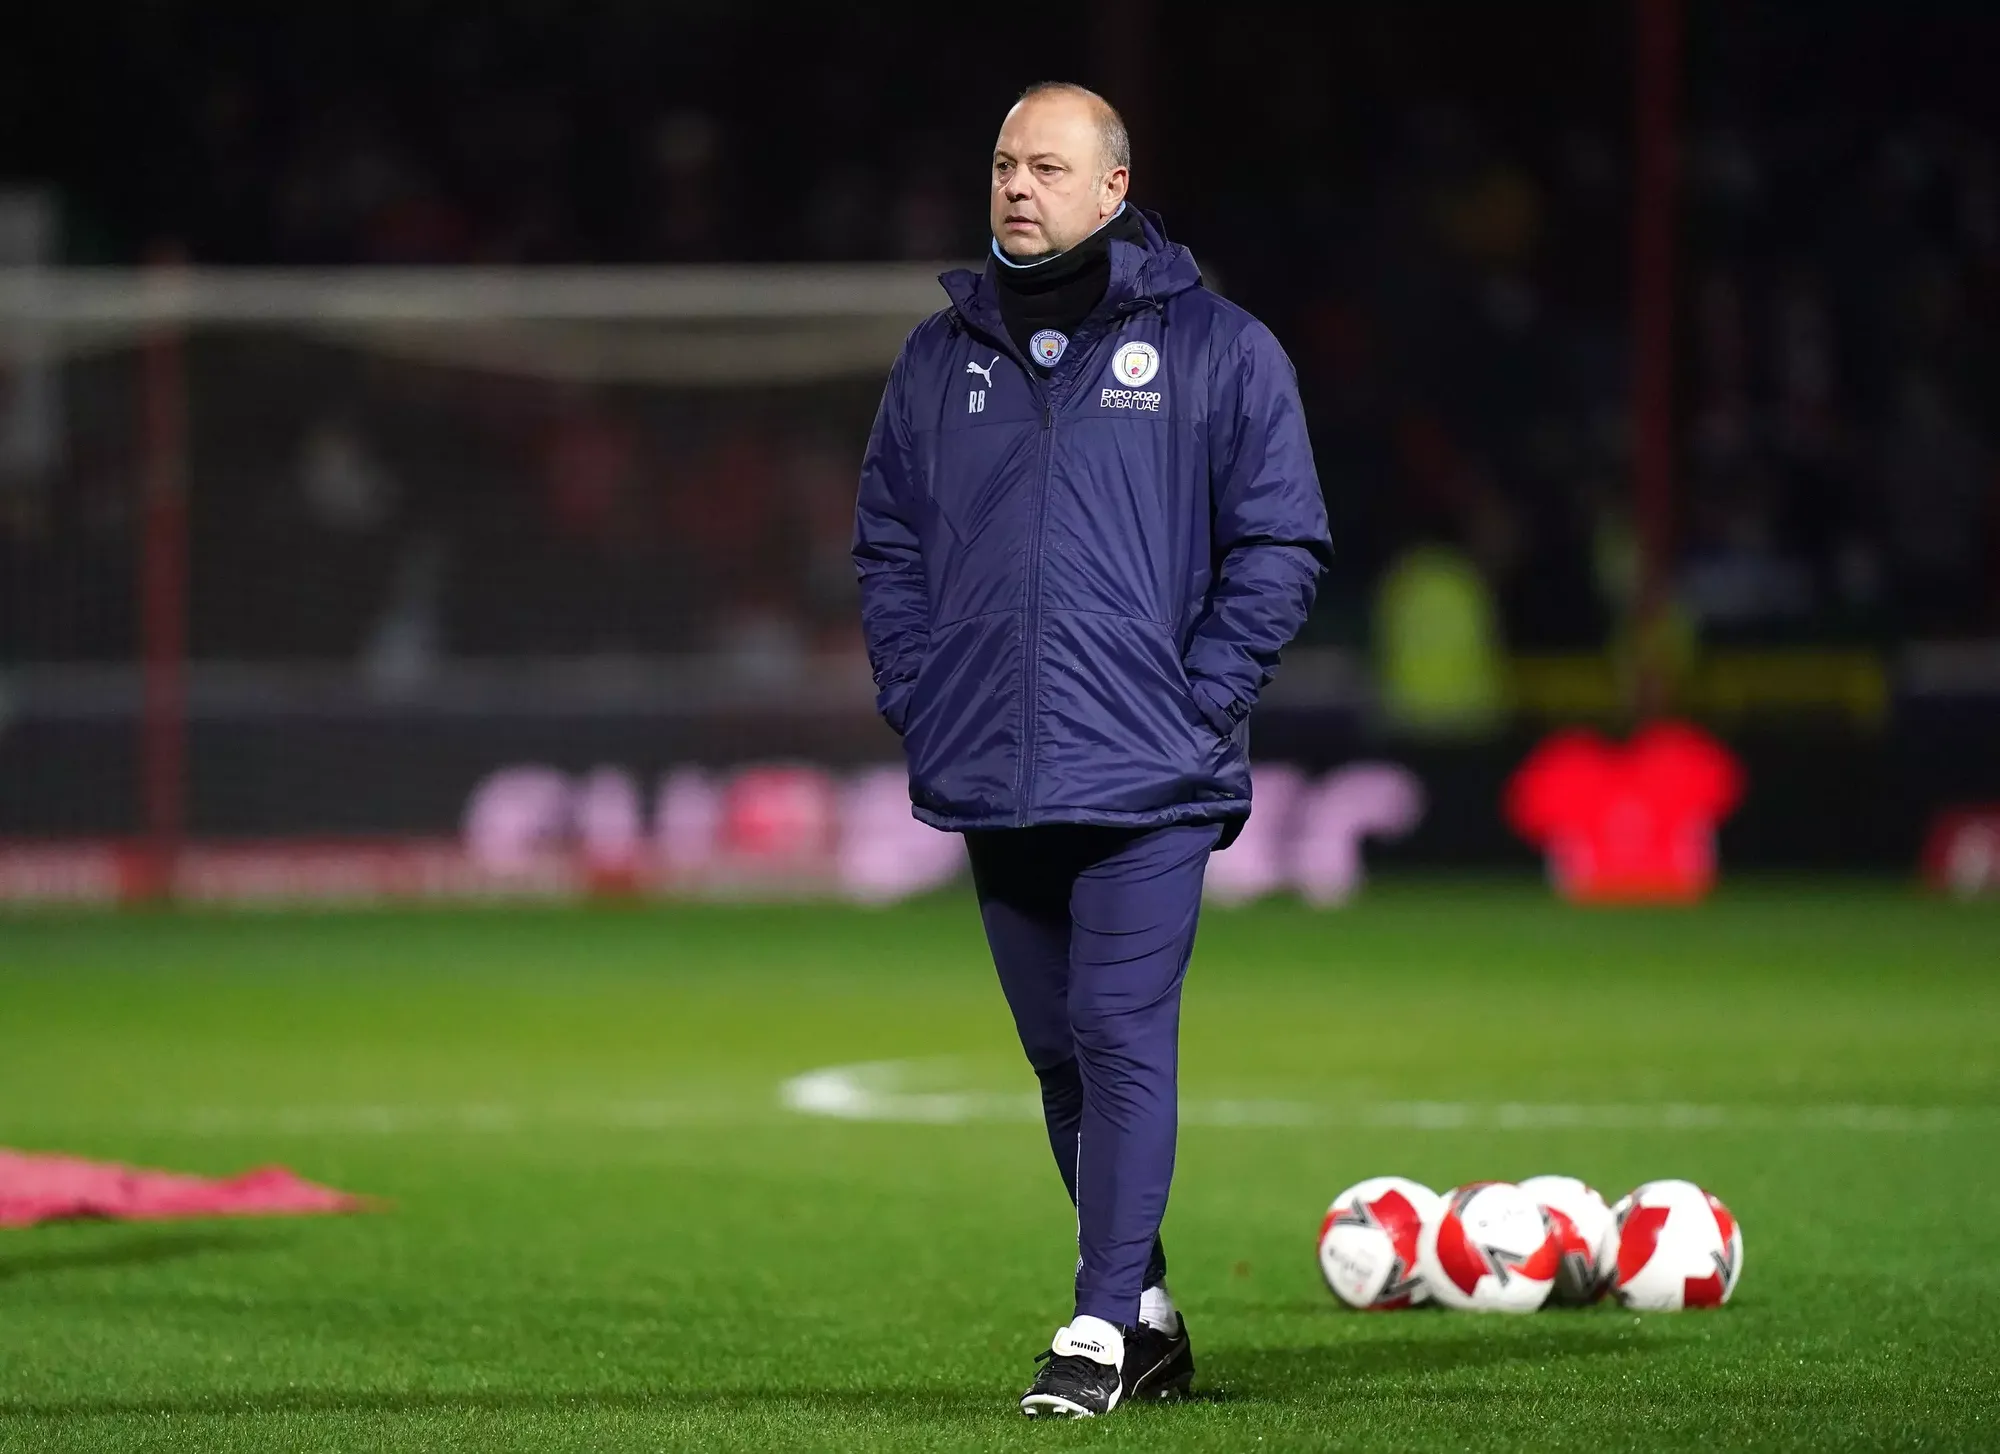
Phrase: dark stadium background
{"type": "Point", "coordinates": [1436, 207]}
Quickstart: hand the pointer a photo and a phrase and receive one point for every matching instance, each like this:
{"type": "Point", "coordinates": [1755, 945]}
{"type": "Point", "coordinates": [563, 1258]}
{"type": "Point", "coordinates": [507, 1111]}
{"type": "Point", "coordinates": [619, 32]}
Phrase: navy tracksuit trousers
{"type": "Point", "coordinates": [1091, 930]}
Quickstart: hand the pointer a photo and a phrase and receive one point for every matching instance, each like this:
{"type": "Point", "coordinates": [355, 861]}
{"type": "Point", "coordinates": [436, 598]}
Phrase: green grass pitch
{"type": "Point", "coordinates": [608, 1231]}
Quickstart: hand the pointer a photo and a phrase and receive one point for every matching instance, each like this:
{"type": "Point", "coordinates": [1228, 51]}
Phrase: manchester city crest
{"type": "Point", "coordinates": [1047, 346]}
{"type": "Point", "coordinates": [1135, 364]}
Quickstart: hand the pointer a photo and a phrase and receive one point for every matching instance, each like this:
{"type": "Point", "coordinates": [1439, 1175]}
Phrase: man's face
{"type": "Point", "coordinates": [1050, 186]}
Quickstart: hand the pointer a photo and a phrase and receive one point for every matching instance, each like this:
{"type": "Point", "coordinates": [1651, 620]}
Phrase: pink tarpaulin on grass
{"type": "Point", "coordinates": [43, 1188]}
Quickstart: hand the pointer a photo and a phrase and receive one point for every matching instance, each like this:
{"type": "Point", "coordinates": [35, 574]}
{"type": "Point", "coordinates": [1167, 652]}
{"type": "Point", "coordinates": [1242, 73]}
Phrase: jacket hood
{"type": "Point", "coordinates": [1145, 274]}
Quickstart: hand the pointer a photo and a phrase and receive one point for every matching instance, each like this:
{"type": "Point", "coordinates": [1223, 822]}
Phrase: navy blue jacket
{"type": "Point", "coordinates": [1076, 580]}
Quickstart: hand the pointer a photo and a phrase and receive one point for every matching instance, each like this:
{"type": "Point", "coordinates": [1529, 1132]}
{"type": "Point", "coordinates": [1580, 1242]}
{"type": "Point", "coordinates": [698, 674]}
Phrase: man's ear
{"type": "Point", "coordinates": [1113, 190]}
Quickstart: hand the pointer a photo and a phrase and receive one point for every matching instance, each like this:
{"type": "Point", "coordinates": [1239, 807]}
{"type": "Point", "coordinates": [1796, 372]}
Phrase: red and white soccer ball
{"type": "Point", "coordinates": [1678, 1247]}
{"type": "Point", "coordinates": [1368, 1242]}
{"type": "Point", "coordinates": [1588, 1234]}
{"type": "Point", "coordinates": [1492, 1249]}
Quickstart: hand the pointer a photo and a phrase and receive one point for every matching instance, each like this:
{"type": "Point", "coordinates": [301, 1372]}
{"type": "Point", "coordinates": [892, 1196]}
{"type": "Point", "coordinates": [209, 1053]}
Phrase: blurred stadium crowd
{"type": "Point", "coordinates": [1432, 209]}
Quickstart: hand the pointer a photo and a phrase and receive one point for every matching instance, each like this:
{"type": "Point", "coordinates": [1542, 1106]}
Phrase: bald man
{"type": "Point", "coordinates": [1088, 524]}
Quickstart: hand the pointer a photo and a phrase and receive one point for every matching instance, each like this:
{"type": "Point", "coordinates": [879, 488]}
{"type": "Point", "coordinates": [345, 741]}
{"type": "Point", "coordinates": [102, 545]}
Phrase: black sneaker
{"type": "Point", "coordinates": [1158, 1366]}
{"type": "Point", "coordinates": [1072, 1384]}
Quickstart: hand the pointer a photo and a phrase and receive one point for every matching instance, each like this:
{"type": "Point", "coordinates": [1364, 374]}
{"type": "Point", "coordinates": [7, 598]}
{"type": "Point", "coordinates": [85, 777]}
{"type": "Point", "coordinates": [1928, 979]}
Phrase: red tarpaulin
{"type": "Point", "coordinates": [42, 1188]}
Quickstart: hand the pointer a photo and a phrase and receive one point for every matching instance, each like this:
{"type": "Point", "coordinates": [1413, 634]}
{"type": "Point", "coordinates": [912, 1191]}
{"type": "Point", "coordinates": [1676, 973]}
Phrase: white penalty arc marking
{"type": "Point", "coordinates": [874, 1092]}
{"type": "Point", "coordinates": [878, 1091]}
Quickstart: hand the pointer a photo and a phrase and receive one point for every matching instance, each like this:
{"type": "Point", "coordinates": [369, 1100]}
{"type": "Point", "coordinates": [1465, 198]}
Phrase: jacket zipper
{"type": "Point", "coordinates": [1031, 614]}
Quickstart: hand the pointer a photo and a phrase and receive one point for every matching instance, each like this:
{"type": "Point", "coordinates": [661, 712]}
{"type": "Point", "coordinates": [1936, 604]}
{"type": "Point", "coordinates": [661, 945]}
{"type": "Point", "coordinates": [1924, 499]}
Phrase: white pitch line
{"type": "Point", "coordinates": [875, 1091]}
{"type": "Point", "coordinates": [909, 1092]}
{"type": "Point", "coordinates": [472, 1118]}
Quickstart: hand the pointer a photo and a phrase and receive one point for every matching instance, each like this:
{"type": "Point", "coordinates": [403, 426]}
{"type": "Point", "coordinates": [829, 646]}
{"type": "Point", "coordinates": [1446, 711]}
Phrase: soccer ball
{"type": "Point", "coordinates": [1588, 1235]}
{"type": "Point", "coordinates": [1492, 1249]}
{"type": "Point", "coordinates": [1368, 1242]}
{"type": "Point", "coordinates": [1678, 1247]}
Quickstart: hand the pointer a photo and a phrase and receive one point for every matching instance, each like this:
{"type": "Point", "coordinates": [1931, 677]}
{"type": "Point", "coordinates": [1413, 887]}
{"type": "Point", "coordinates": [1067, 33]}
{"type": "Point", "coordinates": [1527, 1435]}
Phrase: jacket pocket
{"type": "Point", "coordinates": [961, 729]}
{"type": "Point", "coordinates": [1210, 706]}
{"type": "Point", "coordinates": [1117, 727]}
{"type": "Point", "coordinates": [893, 703]}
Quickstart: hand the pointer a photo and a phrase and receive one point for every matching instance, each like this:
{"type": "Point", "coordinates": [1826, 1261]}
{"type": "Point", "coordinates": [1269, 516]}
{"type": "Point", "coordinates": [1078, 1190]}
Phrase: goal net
{"type": "Point", "coordinates": [540, 561]}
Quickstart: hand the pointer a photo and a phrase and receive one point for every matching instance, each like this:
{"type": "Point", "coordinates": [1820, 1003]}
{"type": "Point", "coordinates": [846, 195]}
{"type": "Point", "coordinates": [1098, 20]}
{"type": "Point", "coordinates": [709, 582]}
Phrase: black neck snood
{"type": "Point", "coordinates": [1059, 292]}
